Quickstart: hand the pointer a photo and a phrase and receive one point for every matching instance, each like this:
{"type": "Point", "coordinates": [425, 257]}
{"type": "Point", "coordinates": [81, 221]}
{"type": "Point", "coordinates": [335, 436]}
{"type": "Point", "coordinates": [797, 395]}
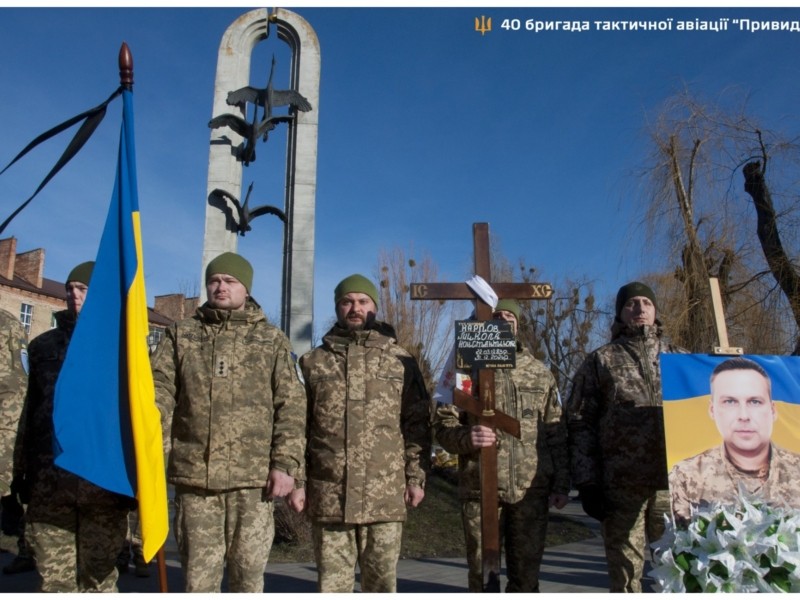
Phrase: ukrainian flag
{"type": "Point", "coordinates": [107, 425]}
{"type": "Point", "coordinates": [685, 382]}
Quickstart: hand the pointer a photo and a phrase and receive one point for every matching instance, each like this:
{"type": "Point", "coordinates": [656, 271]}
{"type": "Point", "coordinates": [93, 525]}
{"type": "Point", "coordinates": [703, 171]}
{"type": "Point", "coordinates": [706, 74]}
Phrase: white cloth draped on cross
{"type": "Point", "coordinates": [450, 377]}
{"type": "Point", "coordinates": [479, 285]}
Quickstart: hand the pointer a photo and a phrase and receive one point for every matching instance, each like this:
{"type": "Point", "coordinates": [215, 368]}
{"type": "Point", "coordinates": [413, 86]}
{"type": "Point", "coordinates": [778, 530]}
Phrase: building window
{"type": "Point", "coordinates": [26, 316]}
{"type": "Point", "coordinates": [154, 337]}
{"type": "Point", "coordinates": [53, 321]}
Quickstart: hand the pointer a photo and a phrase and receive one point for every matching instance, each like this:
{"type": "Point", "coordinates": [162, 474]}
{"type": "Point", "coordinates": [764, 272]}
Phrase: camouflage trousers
{"type": "Point", "coordinates": [522, 527]}
{"type": "Point", "coordinates": [134, 535]}
{"type": "Point", "coordinates": [375, 546]}
{"type": "Point", "coordinates": [218, 529]}
{"type": "Point", "coordinates": [76, 546]}
{"type": "Point", "coordinates": [635, 520]}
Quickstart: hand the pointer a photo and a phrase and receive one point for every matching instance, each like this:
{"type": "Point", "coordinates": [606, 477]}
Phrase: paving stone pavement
{"type": "Point", "coordinates": [577, 567]}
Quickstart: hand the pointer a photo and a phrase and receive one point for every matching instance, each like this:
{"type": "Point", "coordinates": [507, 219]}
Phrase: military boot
{"type": "Point", "coordinates": [22, 563]}
{"type": "Point", "coordinates": [140, 565]}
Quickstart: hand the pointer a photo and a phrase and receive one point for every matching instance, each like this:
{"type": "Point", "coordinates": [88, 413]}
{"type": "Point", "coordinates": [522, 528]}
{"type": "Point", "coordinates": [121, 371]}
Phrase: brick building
{"type": "Point", "coordinates": [26, 293]}
{"type": "Point", "coordinates": [172, 307]}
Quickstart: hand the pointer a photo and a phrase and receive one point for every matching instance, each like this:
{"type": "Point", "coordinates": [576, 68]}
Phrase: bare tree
{"type": "Point", "coordinates": [783, 269]}
{"type": "Point", "coordinates": [560, 331]}
{"type": "Point", "coordinates": [190, 288]}
{"type": "Point", "coordinates": [756, 319]}
{"type": "Point", "coordinates": [564, 329]}
{"type": "Point", "coordinates": [695, 213]}
{"type": "Point", "coordinates": [424, 328]}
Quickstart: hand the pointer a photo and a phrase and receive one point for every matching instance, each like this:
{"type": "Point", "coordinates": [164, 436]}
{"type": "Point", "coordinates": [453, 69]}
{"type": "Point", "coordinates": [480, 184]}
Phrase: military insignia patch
{"type": "Point", "coordinates": [24, 359]}
{"type": "Point", "coordinates": [221, 367]}
{"type": "Point", "coordinates": [297, 369]}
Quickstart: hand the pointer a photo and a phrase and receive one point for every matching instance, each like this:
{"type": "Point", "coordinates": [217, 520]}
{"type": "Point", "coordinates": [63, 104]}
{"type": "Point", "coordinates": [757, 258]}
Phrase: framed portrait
{"type": "Point", "coordinates": [732, 425]}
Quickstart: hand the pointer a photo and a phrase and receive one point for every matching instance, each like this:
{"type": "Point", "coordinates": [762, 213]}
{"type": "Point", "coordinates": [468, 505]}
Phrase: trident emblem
{"type": "Point", "coordinates": [483, 24]}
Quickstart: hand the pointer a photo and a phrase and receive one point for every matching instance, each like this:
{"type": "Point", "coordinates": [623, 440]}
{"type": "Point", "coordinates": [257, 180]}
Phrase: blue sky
{"type": "Point", "coordinates": [425, 127]}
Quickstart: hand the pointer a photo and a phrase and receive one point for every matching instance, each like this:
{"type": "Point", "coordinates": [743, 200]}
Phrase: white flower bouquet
{"type": "Point", "coordinates": [745, 547]}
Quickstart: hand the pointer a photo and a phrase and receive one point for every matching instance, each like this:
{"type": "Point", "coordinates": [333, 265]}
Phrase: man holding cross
{"type": "Point", "coordinates": [481, 402]}
{"type": "Point", "coordinates": [532, 472]}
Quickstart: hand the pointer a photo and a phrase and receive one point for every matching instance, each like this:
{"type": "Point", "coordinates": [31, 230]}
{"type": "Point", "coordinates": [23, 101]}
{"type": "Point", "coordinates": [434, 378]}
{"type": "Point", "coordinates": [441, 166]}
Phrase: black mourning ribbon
{"type": "Point", "coordinates": [91, 119]}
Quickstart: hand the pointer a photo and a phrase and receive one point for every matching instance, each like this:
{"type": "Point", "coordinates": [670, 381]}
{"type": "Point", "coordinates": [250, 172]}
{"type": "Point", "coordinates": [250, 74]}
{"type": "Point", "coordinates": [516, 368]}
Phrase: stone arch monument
{"type": "Point", "coordinates": [233, 140]}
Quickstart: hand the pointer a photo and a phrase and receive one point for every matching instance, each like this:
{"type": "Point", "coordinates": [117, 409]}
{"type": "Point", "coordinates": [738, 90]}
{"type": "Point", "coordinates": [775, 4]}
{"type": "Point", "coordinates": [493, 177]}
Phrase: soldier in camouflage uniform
{"type": "Point", "coordinates": [233, 413]}
{"type": "Point", "coordinates": [532, 472]}
{"type": "Point", "coordinates": [74, 527]}
{"type": "Point", "coordinates": [13, 383]}
{"type": "Point", "coordinates": [616, 436]}
{"type": "Point", "coordinates": [368, 444]}
{"type": "Point", "coordinates": [744, 412]}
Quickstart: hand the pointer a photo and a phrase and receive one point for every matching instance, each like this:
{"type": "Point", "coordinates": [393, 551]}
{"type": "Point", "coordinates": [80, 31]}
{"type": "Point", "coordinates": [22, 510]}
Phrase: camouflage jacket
{"type": "Point", "coordinates": [231, 401]}
{"type": "Point", "coordinates": [13, 383]}
{"type": "Point", "coordinates": [51, 485]}
{"type": "Point", "coordinates": [711, 476]}
{"type": "Point", "coordinates": [615, 419]}
{"type": "Point", "coordinates": [368, 426]}
{"type": "Point", "coordinates": [539, 459]}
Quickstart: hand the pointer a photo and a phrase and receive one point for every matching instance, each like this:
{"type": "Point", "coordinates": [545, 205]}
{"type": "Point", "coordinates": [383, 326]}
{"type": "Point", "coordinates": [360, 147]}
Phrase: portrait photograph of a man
{"type": "Point", "coordinates": [731, 428]}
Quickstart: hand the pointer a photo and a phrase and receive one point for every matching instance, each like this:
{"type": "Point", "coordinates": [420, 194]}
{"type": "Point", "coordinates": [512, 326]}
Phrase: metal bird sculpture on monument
{"type": "Point", "coordinates": [267, 99]}
{"type": "Point", "coordinates": [244, 215]}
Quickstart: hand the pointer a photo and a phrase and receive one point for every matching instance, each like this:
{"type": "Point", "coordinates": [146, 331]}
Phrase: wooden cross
{"type": "Point", "coordinates": [484, 405]}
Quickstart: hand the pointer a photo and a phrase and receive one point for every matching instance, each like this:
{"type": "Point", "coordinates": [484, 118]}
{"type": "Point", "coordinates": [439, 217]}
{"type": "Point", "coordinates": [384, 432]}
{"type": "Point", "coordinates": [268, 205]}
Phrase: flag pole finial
{"type": "Point", "coordinates": [125, 67]}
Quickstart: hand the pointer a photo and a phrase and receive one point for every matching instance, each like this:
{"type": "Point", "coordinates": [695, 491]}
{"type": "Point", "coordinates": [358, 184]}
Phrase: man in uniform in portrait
{"type": "Point", "coordinates": [743, 410]}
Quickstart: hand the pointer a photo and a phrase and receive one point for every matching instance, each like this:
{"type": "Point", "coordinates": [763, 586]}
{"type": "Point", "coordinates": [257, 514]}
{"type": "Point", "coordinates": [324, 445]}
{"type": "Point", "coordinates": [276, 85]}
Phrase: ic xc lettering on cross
{"type": "Point", "coordinates": [483, 406]}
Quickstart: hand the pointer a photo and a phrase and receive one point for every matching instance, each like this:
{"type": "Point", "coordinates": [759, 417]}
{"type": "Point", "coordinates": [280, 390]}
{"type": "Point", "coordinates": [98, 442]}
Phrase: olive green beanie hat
{"type": "Point", "coordinates": [509, 305]}
{"type": "Point", "coordinates": [82, 273]}
{"type": "Point", "coordinates": [355, 284]}
{"type": "Point", "coordinates": [229, 263]}
{"type": "Point", "coordinates": [631, 290]}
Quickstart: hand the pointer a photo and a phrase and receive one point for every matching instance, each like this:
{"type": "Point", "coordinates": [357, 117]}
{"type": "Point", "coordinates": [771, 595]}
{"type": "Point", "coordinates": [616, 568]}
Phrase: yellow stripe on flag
{"type": "Point", "coordinates": [145, 417]}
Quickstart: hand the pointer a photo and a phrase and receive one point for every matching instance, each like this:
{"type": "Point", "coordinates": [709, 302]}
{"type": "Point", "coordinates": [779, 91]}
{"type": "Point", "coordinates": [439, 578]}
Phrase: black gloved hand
{"type": "Point", "coordinates": [11, 515]}
{"type": "Point", "coordinates": [593, 501]}
{"type": "Point", "coordinates": [21, 489]}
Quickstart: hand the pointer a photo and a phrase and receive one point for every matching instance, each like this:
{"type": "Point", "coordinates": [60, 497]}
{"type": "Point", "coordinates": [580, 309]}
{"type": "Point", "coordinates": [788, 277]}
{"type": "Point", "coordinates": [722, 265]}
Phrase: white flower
{"type": "Point", "coordinates": [745, 547]}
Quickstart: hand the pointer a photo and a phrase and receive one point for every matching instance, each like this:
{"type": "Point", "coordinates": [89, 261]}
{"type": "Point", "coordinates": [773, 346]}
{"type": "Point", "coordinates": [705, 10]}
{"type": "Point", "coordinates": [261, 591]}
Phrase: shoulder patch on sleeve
{"type": "Point", "coordinates": [297, 369]}
{"type": "Point", "coordinates": [24, 359]}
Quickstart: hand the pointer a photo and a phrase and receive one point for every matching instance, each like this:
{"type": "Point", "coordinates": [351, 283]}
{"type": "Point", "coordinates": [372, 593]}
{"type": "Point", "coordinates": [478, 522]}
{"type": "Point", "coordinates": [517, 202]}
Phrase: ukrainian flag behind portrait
{"type": "Point", "coordinates": [688, 426]}
{"type": "Point", "coordinates": [107, 426]}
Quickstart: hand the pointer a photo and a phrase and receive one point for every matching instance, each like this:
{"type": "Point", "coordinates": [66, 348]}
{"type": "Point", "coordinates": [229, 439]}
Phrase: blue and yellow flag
{"type": "Point", "coordinates": [685, 382]}
{"type": "Point", "coordinates": [107, 425]}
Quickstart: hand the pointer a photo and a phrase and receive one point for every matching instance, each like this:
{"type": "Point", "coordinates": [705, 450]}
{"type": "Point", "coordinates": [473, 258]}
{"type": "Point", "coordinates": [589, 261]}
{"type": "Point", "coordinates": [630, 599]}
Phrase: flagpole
{"type": "Point", "coordinates": [126, 81]}
{"type": "Point", "coordinates": [162, 570]}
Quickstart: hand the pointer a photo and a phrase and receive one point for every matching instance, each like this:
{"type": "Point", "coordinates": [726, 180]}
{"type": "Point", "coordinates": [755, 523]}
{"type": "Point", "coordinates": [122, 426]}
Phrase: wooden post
{"type": "Point", "coordinates": [162, 571]}
{"type": "Point", "coordinates": [484, 406]}
{"type": "Point", "coordinates": [719, 319]}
